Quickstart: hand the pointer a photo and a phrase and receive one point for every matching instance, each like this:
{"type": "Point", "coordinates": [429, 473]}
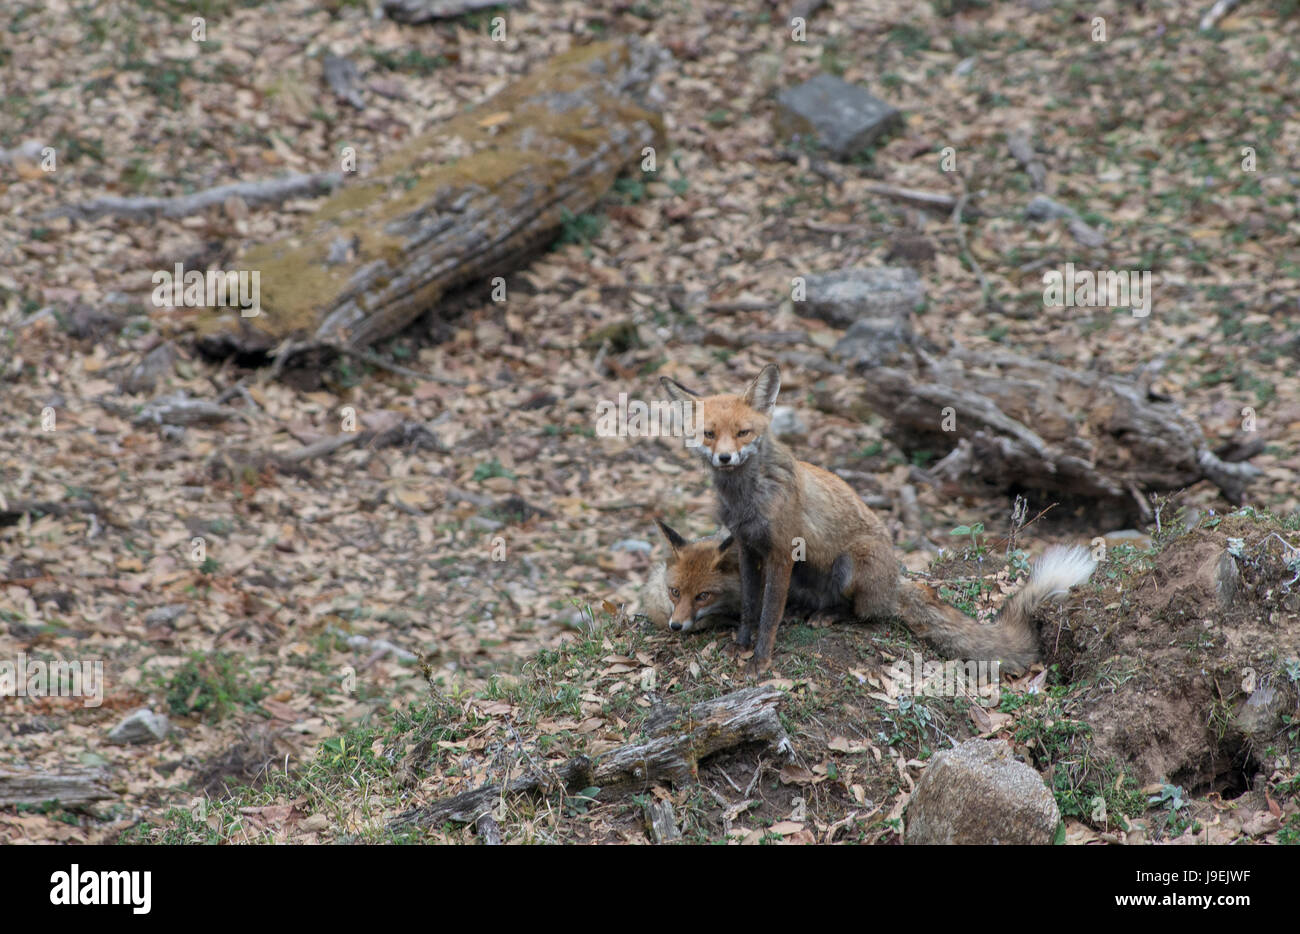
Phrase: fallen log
{"type": "Point", "coordinates": [426, 11]}
{"type": "Point", "coordinates": [70, 788]}
{"type": "Point", "coordinates": [468, 200]}
{"type": "Point", "coordinates": [676, 742]}
{"type": "Point", "coordinates": [1019, 422]}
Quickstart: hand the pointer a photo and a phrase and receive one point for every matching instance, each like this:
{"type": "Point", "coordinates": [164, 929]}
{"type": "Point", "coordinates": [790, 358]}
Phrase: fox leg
{"type": "Point", "coordinates": [776, 588]}
{"type": "Point", "coordinates": [841, 577]}
{"type": "Point", "coordinates": [751, 594]}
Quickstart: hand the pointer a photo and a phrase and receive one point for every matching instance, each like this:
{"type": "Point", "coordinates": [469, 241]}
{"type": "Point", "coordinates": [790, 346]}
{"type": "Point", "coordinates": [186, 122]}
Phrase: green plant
{"type": "Point", "coordinates": [212, 686]}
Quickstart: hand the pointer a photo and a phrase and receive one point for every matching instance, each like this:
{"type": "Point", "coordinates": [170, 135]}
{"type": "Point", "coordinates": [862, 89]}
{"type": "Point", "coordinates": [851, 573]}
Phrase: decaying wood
{"type": "Point", "coordinates": [70, 788]}
{"type": "Point", "coordinates": [925, 199]}
{"type": "Point", "coordinates": [469, 200]}
{"type": "Point", "coordinates": [180, 409]}
{"type": "Point", "coordinates": [1217, 12]}
{"type": "Point", "coordinates": [269, 191]}
{"type": "Point", "coordinates": [1023, 422]}
{"type": "Point", "coordinates": [676, 741]}
{"type": "Point", "coordinates": [488, 830]}
{"type": "Point", "coordinates": [425, 11]}
{"type": "Point", "coordinates": [661, 822]}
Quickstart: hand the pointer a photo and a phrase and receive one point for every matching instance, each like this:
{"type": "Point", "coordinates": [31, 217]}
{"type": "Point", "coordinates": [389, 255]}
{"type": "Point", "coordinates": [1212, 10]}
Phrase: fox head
{"type": "Point", "coordinates": [730, 429]}
{"type": "Point", "coordinates": [703, 581]}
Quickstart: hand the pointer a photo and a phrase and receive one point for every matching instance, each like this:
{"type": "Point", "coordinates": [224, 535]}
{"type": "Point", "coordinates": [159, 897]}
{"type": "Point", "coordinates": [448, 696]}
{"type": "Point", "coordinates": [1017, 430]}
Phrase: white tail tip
{"type": "Point", "coordinates": [1061, 568]}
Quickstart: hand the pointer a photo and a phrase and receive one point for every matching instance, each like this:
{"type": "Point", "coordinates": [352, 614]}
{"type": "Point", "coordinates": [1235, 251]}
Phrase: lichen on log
{"type": "Point", "coordinates": [467, 200]}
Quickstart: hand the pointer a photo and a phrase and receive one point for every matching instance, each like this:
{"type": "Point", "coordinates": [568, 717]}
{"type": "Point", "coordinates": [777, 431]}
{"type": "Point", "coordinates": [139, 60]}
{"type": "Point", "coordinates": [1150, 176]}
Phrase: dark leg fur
{"type": "Point", "coordinates": [776, 588]}
{"type": "Point", "coordinates": [751, 595]}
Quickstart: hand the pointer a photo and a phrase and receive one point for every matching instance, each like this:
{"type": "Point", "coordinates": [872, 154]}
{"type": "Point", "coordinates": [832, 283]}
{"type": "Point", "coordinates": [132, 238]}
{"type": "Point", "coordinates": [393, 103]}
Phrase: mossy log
{"type": "Point", "coordinates": [1018, 422]}
{"type": "Point", "coordinates": [676, 741]}
{"type": "Point", "coordinates": [467, 200]}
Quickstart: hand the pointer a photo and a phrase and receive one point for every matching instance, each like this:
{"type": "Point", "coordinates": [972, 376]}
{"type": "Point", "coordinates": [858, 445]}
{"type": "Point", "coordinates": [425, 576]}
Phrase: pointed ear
{"type": "Point", "coordinates": [675, 541]}
{"type": "Point", "coordinates": [726, 558]}
{"type": "Point", "coordinates": [676, 391]}
{"type": "Point", "coordinates": [761, 394]}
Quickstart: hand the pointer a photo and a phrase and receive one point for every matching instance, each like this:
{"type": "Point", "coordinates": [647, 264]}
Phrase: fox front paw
{"type": "Point", "coordinates": [745, 637]}
{"type": "Point", "coordinates": [734, 650]}
{"type": "Point", "coordinates": [757, 667]}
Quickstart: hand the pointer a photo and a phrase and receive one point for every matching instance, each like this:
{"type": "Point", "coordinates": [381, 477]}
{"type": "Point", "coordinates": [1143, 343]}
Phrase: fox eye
{"type": "Point", "coordinates": [674, 593]}
{"type": "Point", "coordinates": [743, 432]}
{"type": "Point", "coordinates": [708, 436]}
{"type": "Point", "coordinates": [703, 597]}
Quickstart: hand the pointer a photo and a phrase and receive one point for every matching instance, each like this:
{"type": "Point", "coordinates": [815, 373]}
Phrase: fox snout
{"type": "Point", "coordinates": [733, 458]}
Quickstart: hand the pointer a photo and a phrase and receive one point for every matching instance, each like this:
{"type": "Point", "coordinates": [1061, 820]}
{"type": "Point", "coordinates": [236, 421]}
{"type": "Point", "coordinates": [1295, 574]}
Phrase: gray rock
{"type": "Point", "coordinates": [1258, 715]}
{"type": "Point", "coordinates": [1221, 576]}
{"type": "Point", "coordinates": [89, 322]}
{"type": "Point", "coordinates": [156, 364]}
{"type": "Point", "coordinates": [978, 793]}
{"type": "Point", "coordinates": [164, 615]}
{"type": "Point", "coordinates": [634, 545]}
{"type": "Point", "coordinates": [142, 726]}
{"type": "Point", "coordinates": [342, 77]}
{"type": "Point", "coordinates": [786, 421]}
{"type": "Point", "coordinates": [841, 117]}
{"type": "Point", "coordinates": [841, 298]}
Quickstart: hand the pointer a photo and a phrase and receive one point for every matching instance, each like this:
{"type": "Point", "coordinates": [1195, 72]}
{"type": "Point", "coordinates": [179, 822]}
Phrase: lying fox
{"type": "Point", "coordinates": [699, 586]}
{"type": "Point", "coordinates": [777, 506]}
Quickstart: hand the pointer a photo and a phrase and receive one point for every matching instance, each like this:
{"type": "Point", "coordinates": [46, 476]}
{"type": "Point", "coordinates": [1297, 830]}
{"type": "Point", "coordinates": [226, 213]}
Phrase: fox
{"type": "Point", "coordinates": [777, 507]}
{"type": "Point", "coordinates": [698, 587]}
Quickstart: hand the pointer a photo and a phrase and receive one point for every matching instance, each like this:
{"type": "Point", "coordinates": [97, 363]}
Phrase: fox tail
{"type": "Point", "coordinates": [1012, 638]}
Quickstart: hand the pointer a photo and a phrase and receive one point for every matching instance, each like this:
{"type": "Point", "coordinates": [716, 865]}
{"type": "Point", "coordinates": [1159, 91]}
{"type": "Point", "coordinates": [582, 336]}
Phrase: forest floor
{"type": "Point", "coordinates": [224, 593]}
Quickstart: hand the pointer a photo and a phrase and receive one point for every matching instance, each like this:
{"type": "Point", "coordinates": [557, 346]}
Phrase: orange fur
{"type": "Point", "coordinates": [782, 510]}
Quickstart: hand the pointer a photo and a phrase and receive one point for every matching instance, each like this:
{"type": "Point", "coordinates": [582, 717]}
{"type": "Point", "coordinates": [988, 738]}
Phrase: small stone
{"type": "Point", "coordinates": [164, 615]}
{"type": "Point", "coordinates": [978, 793]}
{"type": "Point", "coordinates": [142, 726]}
{"type": "Point", "coordinates": [841, 117]}
{"type": "Point", "coordinates": [786, 421]}
{"type": "Point", "coordinates": [843, 297]}
{"type": "Point", "coordinates": [1259, 715]}
{"type": "Point", "coordinates": [634, 545]}
{"type": "Point", "coordinates": [156, 364]}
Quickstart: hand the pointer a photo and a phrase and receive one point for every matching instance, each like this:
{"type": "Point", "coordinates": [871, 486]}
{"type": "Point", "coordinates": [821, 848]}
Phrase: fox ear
{"type": "Point", "coordinates": [725, 558]}
{"type": "Point", "coordinates": [676, 390]}
{"type": "Point", "coordinates": [675, 541]}
{"type": "Point", "coordinates": [761, 394]}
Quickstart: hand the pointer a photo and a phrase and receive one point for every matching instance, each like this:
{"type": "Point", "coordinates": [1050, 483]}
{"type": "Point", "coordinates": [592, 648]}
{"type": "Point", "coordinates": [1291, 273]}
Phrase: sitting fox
{"type": "Point", "coordinates": [777, 507]}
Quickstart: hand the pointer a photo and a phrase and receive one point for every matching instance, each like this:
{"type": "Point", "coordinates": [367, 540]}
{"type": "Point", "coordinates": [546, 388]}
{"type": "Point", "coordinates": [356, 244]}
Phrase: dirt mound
{"type": "Point", "coordinates": [1187, 659]}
